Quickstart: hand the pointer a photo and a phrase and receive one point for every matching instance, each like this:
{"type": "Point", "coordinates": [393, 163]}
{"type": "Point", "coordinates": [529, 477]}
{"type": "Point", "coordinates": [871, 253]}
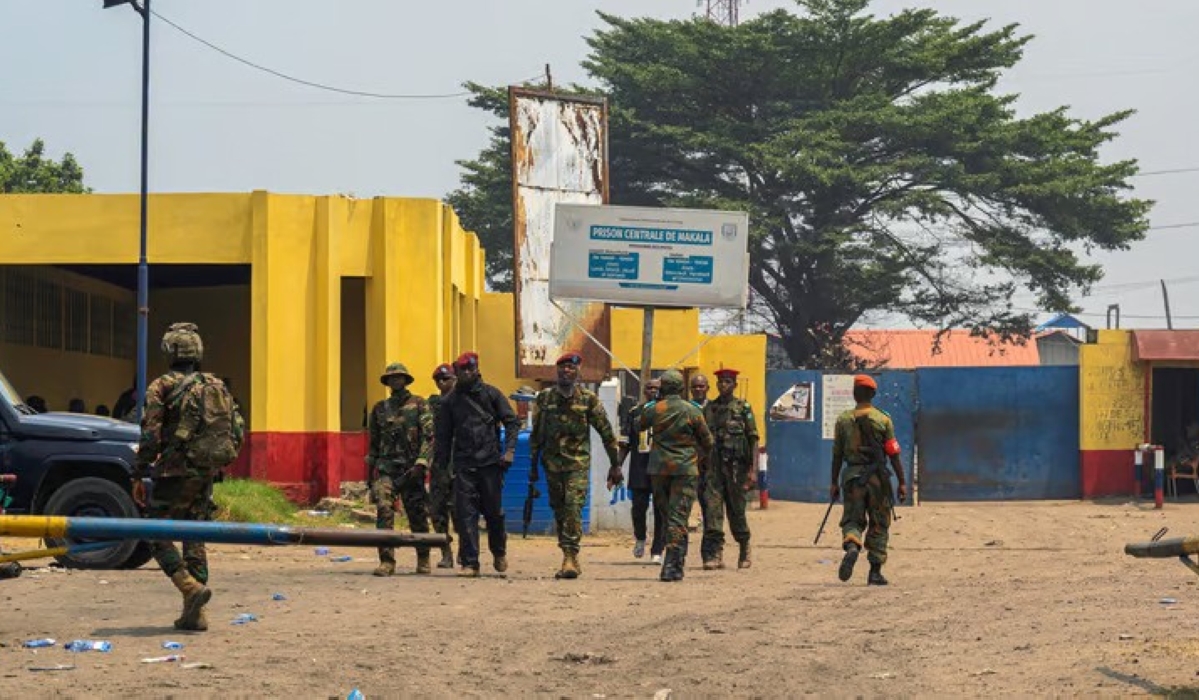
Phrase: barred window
{"type": "Point", "coordinates": [100, 322]}
{"type": "Point", "coordinates": [77, 329]}
{"type": "Point", "coordinates": [18, 321]}
{"type": "Point", "coordinates": [124, 328]}
{"type": "Point", "coordinates": [49, 314]}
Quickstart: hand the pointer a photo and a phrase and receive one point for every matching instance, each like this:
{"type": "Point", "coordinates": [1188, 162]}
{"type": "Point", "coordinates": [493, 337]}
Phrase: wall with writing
{"type": "Point", "coordinates": [1111, 394]}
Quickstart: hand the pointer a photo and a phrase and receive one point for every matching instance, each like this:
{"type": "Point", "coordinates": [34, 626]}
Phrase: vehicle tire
{"type": "Point", "coordinates": [92, 497]}
{"type": "Point", "coordinates": [141, 555]}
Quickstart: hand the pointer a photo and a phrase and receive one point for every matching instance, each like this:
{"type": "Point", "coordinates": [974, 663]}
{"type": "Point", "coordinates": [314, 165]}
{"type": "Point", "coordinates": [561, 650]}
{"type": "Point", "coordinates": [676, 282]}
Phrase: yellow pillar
{"type": "Point", "coordinates": [291, 360]}
{"type": "Point", "coordinates": [404, 306]}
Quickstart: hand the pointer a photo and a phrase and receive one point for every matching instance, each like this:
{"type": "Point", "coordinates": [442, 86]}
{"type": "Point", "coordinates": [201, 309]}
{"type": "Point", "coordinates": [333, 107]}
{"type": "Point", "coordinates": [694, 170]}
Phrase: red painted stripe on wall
{"type": "Point", "coordinates": [307, 466]}
{"type": "Point", "coordinates": [1107, 473]}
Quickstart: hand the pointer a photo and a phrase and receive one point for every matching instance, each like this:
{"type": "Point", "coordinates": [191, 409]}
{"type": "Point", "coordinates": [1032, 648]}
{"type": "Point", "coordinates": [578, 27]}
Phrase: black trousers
{"type": "Point", "coordinates": [479, 492]}
{"type": "Point", "coordinates": [641, 504]}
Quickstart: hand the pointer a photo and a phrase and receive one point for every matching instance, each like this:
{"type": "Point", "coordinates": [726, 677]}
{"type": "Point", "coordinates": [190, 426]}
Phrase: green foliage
{"type": "Point", "coordinates": [484, 201]}
{"type": "Point", "coordinates": [249, 501]}
{"type": "Point", "coordinates": [35, 173]}
{"type": "Point", "coordinates": [881, 170]}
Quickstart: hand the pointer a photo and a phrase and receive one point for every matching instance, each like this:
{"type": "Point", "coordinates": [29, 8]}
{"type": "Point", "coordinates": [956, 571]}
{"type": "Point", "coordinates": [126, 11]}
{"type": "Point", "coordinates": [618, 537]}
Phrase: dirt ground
{"type": "Point", "coordinates": [1013, 598]}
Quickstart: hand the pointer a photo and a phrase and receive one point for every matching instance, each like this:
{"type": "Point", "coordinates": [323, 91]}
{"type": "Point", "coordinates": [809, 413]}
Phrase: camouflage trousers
{"type": "Point", "coordinates": [866, 509]}
{"type": "Point", "coordinates": [675, 494]}
{"type": "Point", "coordinates": [181, 498]}
{"type": "Point", "coordinates": [568, 494]}
{"type": "Point", "coordinates": [441, 500]}
{"type": "Point", "coordinates": [411, 491]}
{"type": "Point", "coordinates": [723, 492]}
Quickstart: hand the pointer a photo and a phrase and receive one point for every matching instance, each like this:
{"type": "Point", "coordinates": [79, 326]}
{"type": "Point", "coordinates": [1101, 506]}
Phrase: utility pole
{"type": "Point", "coordinates": [723, 11]}
{"type": "Point", "coordinates": [1166, 301]}
{"type": "Point", "coordinates": [143, 275]}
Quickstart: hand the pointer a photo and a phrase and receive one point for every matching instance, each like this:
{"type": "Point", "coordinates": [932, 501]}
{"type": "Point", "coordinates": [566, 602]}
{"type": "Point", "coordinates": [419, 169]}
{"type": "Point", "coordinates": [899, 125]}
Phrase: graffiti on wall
{"type": "Point", "coordinates": [1113, 403]}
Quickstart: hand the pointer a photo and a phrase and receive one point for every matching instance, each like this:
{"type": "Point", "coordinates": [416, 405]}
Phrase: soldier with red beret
{"type": "Point", "coordinates": [731, 471]}
{"type": "Point", "coordinates": [468, 433]}
{"type": "Point", "coordinates": [563, 418]}
{"type": "Point", "coordinates": [864, 440]}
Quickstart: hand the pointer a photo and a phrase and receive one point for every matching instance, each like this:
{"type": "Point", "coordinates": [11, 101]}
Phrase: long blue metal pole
{"type": "Point", "coordinates": [143, 271]}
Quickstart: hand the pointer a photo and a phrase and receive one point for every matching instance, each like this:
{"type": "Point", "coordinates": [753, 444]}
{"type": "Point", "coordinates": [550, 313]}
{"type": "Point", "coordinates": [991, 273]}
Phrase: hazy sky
{"type": "Point", "coordinates": [69, 73]}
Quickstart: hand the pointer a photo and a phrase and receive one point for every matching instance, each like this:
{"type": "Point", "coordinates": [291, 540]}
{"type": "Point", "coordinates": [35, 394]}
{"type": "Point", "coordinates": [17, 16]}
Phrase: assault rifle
{"type": "Point", "coordinates": [878, 460]}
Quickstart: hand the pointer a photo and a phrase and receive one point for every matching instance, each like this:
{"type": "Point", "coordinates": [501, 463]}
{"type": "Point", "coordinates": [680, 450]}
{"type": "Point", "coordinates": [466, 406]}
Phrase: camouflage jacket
{"type": "Point", "coordinates": [680, 436]}
{"type": "Point", "coordinates": [733, 427]}
{"type": "Point", "coordinates": [159, 453]}
{"type": "Point", "coordinates": [562, 429]}
{"type": "Point", "coordinates": [401, 433]}
{"type": "Point", "coordinates": [848, 446]}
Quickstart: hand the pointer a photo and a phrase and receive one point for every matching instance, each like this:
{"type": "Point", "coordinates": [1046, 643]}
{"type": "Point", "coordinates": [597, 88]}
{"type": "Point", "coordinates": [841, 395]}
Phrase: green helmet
{"type": "Point", "coordinates": [671, 382]}
{"type": "Point", "coordinates": [395, 369]}
{"type": "Point", "coordinates": [182, 342]}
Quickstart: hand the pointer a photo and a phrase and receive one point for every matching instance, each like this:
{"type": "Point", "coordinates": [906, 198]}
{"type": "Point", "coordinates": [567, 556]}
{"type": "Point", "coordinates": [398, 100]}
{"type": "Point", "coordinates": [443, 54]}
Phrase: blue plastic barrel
{"type": "Point", "coordinates": [516, 488]}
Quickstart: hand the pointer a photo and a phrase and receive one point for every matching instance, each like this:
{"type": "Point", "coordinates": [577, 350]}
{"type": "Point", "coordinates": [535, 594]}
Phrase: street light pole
{"type": "Point", "coordinates": [143, 271]}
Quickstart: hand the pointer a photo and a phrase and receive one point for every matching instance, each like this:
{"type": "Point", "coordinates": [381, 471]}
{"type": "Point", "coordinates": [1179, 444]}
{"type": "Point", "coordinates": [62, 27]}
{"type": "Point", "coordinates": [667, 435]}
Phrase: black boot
{"type": "Point", "coordinates": [672, 568]}
{"type": "Point", "coordinates": [851, 557]}
{"type": "Point", "coordinates": [876, 575]}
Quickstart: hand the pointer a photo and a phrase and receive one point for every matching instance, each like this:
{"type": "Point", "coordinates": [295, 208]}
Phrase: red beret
{"type": "Point", "coordinates": [570, 358]}
{"type": "Point", "coordinates": [866, 381]}
{"type": "Point", "coordinates": [466, 359]}
{"type": "Point", "coordinates": [726, 372]}
{"type": "Point", "coordinates": [443, 370]}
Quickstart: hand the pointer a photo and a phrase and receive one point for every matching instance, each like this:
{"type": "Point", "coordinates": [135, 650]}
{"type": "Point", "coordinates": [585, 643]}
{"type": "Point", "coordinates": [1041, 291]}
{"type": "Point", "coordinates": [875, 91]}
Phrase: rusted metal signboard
{"type": "Point", "coordinates": [559, 154]}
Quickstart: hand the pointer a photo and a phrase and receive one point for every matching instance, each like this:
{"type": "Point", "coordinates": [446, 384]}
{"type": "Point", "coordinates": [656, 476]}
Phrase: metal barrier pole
{"type": "Point", "coordinates": [1159, 476]}
{"type": "Point", "coordinates": [1139, 460]}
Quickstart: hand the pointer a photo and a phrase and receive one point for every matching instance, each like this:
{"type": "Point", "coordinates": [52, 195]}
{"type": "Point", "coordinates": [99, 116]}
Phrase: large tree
{"type": "Point", "coordinates": [35, 173]}
{"type": "Point", "coordinates": [881, 169]}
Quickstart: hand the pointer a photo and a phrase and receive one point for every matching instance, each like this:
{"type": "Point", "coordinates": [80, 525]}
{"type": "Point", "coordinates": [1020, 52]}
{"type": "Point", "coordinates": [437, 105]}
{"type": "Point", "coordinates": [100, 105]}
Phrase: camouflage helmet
{"type": "Point", "coordinates": [671, 382]}
{"type": "Point", "coordinates": [182, 342]}
{"type": "Point", "coordinates": [395, 369]}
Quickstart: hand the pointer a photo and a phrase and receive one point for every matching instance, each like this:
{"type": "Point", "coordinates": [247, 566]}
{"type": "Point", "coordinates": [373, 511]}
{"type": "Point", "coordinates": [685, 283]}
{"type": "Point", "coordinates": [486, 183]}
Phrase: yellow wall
{"type": "Point", "coordinates": [223, 316]}
{"type": "Point", "coordinates": [747, 354]}
{"type": "Point", "coordinates": [676, 335]}
{"type": "Point", "coordinates": [497, 349]}
{"type": "Point", "coordinates": [58, 375]}
{"type": "Point", "coordinates": [93, 229]}
{"type": "Point", "coordinates": [282, 340]}
{"type": "Point", "coordinates": [1111, 394]}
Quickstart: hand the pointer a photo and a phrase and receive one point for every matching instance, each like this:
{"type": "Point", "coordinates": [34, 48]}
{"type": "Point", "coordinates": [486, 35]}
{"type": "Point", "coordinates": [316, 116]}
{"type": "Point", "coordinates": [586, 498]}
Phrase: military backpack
{"type": "Point", "coordinates": [206, 433]}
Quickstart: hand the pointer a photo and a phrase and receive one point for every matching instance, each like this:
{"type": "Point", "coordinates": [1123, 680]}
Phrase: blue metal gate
{"type": "Point", "coordinates": [800, 458]}
{"type": "Point", "coordinates": [998, 433]}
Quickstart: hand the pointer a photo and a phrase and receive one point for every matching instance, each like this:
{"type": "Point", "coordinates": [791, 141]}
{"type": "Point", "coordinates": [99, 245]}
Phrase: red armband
{"type": "Point", "coordinates": [891, 447]}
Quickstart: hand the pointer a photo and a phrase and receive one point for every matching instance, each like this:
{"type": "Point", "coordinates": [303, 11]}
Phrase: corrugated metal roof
{"type": "Point", "coordinates": [909, 349]}
{"type": "Point", "coordinates": [1167, 346]}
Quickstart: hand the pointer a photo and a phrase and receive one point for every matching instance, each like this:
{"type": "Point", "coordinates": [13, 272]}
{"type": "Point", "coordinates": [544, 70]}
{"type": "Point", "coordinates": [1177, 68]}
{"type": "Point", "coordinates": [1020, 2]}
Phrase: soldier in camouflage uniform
{"type": "Point", "coordinates": [181, 489]}
{"type": "Point", "coordinates": [401, 444]}
{"type": "Point", "coordinates": [730, 471]}
{"type": "Point", "coordinates": [441, 479]}
{"type": "Point", "coordinates": [563, 417]}
{"type": "Point", "coordinates": [865, 482]}
{"type": "Point", "coordinates": [681, 438]}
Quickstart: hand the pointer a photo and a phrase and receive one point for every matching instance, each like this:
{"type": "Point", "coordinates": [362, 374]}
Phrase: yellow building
{"type": "Point", "coordinates": [1135, 387]}
{"type": "Point", "coordinates": [301, 301]}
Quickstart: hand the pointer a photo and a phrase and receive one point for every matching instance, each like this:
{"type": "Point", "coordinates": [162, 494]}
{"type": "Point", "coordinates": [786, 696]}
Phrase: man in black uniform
{"type": "Point", "coordinates": [468, 427]}
{"type": "Point", "coordinates": [637, 445]}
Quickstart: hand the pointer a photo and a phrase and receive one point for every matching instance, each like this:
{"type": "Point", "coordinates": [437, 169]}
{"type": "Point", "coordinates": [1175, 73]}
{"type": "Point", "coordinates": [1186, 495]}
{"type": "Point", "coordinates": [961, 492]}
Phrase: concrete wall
{"type": "Point", "coordinates": [1112, 396]}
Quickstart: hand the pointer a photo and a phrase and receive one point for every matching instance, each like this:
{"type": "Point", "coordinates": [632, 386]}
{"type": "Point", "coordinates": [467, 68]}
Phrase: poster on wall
{"type": "Point", "coordinates": [836, 398]}
{"type": "Point", "coordinates": [795, 405]}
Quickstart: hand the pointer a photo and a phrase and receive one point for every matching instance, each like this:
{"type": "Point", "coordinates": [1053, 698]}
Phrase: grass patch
{"type": "Point", "coordinates": [249, 501]}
